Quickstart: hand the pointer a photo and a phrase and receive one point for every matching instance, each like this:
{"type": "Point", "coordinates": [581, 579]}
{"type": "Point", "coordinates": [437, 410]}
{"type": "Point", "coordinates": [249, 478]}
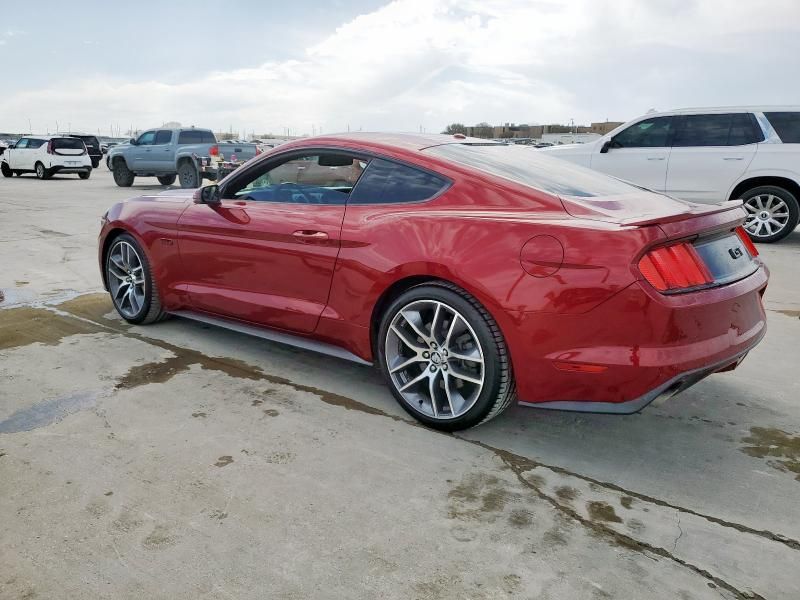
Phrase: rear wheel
{"type": "Point", "coordinates": [7, 172]}
{"type": "Point", "coordinates": [41, 172]}
{"type": "Point", "coordinates": [123, 176]}
{"type": "Point", "coordinates": [166, 179]}
{"type": "Point", "coordinates": [188, 175]}
{"type": "Point", "coordinates": [85, 175]}
{"type": "Point", "coordinates": [444, 358]}
{"type": "Point", "coordinates": [772, 213]}
{"type": "Point", "coordinates": [131, 283]}
{"type": "Point", "coordinates": [95, 163]}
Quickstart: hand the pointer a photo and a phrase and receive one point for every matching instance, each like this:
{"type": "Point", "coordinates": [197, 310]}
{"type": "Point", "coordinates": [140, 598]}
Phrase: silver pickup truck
{"type": "Point", "coordinates": [188, 154]}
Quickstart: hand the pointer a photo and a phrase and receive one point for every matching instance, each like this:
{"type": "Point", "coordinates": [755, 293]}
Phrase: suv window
{"type": "Point", "coordinates": [38, 143]}
{"type": "Point", "coordinates": [198, 136]}
{"type": "Point", "coordinates": [89, 140]}
{"type": "Point", "coordinates": [786, 125]}
{"type": "Point", "coordinates": [650, 133]}
{"type": "Point", "coordinates": [386, 182]}
{"type": "Point", "coordinates": [164, 136]}
{"type": "Point", "coordinates": [146, 139]}
{"type": "Point", "coordinates": [318, 178]}
{"type": "Point", "coordinates": [727, 129]}
{"type": "Point", "coordinates": [23, 143]}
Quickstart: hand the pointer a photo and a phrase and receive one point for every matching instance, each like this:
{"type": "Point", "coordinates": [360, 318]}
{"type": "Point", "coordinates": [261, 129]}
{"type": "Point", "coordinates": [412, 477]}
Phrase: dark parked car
{"type": "Point", "coordinates": [93, 147]}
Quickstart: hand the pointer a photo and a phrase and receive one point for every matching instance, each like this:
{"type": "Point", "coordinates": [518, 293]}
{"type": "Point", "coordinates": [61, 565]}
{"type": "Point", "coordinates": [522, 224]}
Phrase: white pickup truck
{"type": "Point", "coordinates": [709, 155]}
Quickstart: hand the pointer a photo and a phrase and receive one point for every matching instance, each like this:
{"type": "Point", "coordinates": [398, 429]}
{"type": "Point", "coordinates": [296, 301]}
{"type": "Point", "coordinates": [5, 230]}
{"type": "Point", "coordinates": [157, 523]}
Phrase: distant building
{"type": "Point", "coordinates": [605, 127]}
{"type": "Point", "coordinates": [537, 132]}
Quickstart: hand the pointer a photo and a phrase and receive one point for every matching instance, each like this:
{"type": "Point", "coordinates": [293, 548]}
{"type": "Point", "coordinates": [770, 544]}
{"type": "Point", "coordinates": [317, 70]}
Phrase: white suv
{"type": "Point", "coordinates": [46, 156]}
{"type": "Point", "coordinates": [708, 155]}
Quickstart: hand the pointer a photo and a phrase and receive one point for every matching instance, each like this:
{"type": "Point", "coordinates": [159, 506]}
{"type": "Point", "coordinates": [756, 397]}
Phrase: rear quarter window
{"type": "Point", "coordinates": [196, 137]}
{"type": "Point", "coordinates": [786, 125]}
{"type": "Point", "coordinates": [387, 182]}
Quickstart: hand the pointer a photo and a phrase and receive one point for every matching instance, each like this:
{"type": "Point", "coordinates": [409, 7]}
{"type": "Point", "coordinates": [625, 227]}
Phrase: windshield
{"type": "Point", "coordinates": [534, 169]}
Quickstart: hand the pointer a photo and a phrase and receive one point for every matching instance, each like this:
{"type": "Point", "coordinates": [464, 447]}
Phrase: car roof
{"type": "Point", "coordinates": [402, 141]}
{"type": "Point", "coordinates": [723, 109]}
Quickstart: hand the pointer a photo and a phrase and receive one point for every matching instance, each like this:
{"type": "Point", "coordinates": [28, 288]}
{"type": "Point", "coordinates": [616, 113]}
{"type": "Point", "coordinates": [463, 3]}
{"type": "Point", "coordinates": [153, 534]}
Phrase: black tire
{"type": "Point", "coordinates": [150, 311]}
{"type": "Point", "coordinates": [41, 171]}
{"type": "Point", "coordinates": [166, 179]}
{"type": "Point", "coordinates": [499, 388]}
{"type": "Point", "coordinates": [108, 163]}
{"type": "Point", "coordinates": [188, 175]}
{"type": "Point", "coordinates": [85, 175]}
{"type": "Point", "coordinates": [95, 163]}
{"type": "Point", "coordinates": [7, 172]}
{"type": "Point", "coordinates": [792, 206]}
{"type": "Point", "coordinates": [123, 176]}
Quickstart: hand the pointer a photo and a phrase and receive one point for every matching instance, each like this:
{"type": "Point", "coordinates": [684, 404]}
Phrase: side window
{"type": "Point", "coordinates": [164, 136]}
{"type": "Point", "coordinates": [146, 139]}
{"type": "Point", "coordinates": [386, 182]}
{"type": "Point", "coordinates": [318, 178]}
{"type": "Point", "coordinates": [35, 143]}
{"type": "Point", "coordinates": [703, 130]}
{"type": "Point", "coordinates": [650, 133]}
{"type": "Point", "coordinates": [23, 143]}
{"type": "Point", "coordinates": [189, 137]}
{"type": "Point", "coordinates": [786, 125]}
{"type": "Point", "coordinates": [744, 130]}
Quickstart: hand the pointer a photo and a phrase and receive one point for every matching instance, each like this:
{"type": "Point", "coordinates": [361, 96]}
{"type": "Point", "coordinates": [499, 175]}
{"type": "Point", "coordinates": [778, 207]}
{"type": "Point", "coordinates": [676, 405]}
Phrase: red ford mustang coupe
{"type": "Point", "coordinates": [472, 273]}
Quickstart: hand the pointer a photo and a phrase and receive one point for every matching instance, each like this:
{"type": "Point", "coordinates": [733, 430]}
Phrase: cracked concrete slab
{"type": "Point", "coordinates": [180, 461]}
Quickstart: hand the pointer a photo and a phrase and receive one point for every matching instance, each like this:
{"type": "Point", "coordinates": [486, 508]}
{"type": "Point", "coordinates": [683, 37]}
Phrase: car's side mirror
{"type": "Point", "coordinates": [606, 146]}
{"type": "Point", "coordinates": [207, 195]}
{"type": "Point", "coordinates": [132, 141]}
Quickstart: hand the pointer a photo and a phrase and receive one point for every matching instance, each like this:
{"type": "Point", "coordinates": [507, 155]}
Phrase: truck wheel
{"type": "Point", "coordinates": [7, 172]}
{"type": "Point", "coordinates": [188, 175]}
{"type": "Point", "coordinates": [166, 179]}
{"type": "Point", "coordinates": [123, 176]}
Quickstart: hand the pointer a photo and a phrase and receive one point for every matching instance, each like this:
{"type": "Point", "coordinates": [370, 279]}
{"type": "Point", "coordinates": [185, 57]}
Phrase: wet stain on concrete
{"type": "Point", "coordinates": [790, 313]}
{"type": "Point", "coordinates": [25, 325]}
{"type": "Point", "coordinates": [94, 307]}
{"type": "Point", "coordinates": [153, 372]}
{"type": "Point", "coordinates": [280, 458]}
{"type": "Point", "coordinates": [271, 412]}
{"type": "Point", "coordinates": [256, 402]}
{"type": "Point", "coordinates": [21, 283]}
{"type": "Point", "coordinates": [223, 461]}
{"type": "Point", "coordinates": [52, 232]}
{"type": "Point", "coordinates": [47, 412]}
{"type": "Point", "coordinates": [626, 502]}
{"type": "Point", "coordinates": [199, 415]}
{"type": "Point", "coordinates": [566, 493]}
{"type": "Point", "coordinates": [520, 518]}
{"type": "Point", "coordinates": [781, 448]}
{"type": "Point", "coordinates": [602, 511]}
{"type": "Point", "coordinates": [478, 496]}
{"type": "Point", "coordinates": [108, 494]}
{"type": "Point", "coordinates": [159, 538]}
{"type": "Point", "coordinates": [218, 514]}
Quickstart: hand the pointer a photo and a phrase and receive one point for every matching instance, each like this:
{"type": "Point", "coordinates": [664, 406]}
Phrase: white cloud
{"type": "Point", "coordinates": [430, 62]}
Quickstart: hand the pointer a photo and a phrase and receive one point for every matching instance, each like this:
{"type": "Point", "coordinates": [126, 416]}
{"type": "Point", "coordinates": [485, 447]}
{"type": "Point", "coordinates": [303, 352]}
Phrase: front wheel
{"type": "Point", "coordinates": [123, 176]}
{"type": "Point", "coordinates": [188, 175]}
{"type": "Point", "coordinates": [772, 213]}
{"type": "Point", "coordinates": [166, 179]}
{"type": "Point", "coordinates": [131, 283]}
{"type": "Point", "coordinates": [7, 172]}
{"type": "Point", "coordinates": [444, 358]}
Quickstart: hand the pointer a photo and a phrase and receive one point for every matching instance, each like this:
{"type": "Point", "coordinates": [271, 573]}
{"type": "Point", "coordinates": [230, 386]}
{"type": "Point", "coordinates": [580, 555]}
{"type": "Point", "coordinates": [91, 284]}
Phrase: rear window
{"type": "Point", "coordinates": [89, 140]}
{"type": "Point", "coordinates": [386, 182]}
{"type": "Point", "coordinates": [534, 169]}
{"type": "Point", "coordinates": [786, 125]}
{"type": "Point", "coordinates": [68, 144]}
{"type": "Point", "coordinates": [726, 129]}
{"type": "Point", "coordinates": [196, 137]}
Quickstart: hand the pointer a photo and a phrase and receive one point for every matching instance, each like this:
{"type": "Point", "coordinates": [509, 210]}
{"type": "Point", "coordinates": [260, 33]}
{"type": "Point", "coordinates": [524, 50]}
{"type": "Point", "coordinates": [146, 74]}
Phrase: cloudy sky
{"type": "Point", "coordinates": [377, 65]}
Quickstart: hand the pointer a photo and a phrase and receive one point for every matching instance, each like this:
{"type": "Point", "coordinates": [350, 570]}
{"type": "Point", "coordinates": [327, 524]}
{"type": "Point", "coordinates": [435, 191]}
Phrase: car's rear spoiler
{"type": "Point", "coordinates": [696, 210]}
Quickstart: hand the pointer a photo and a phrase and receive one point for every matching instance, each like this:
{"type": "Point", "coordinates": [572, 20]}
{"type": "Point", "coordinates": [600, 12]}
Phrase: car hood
{"type": "Point", "coordinates": [568, 149]}
{"type": "Point", "coordinates": [640, 208]}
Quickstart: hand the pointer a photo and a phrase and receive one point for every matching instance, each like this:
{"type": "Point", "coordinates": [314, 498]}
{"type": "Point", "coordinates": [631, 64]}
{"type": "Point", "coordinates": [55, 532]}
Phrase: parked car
{"type": "Point", "coordinates": [708, 155]}
{"type": "Point", "coordinates": [46, 156]}
{"type": "Point", "coordinates": [468, 272]}
{"type": "Point", "coordinates": [92, 146]}
{"type": "Point", "coordinates": [191, 155]}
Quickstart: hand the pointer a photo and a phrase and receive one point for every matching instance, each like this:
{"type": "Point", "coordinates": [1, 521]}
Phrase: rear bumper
{"type": "Point", "coordinates": [70, 169]}
{"type": "Point", "coordinates": [642, 346]}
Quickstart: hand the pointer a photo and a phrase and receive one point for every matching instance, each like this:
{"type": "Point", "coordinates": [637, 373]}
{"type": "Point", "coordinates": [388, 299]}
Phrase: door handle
{"type": "Point", "coordinates": [655, 158]}
{"type": "Point", "coordinates": [733, 158]}
{"type": "Point", "coordinates": [307, 235]}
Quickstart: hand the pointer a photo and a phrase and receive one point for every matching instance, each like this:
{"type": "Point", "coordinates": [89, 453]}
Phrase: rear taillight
{"type": "Point", "coordinates": [214, 150]}
{"type": "Point", "coordinates": [50, 147]}
{"type": "Point", "coordinates": [675, 267]}
{"type": "Point", "coordinates": [258, 150]}
{"type": "Point", "coordinates": [748, 243]}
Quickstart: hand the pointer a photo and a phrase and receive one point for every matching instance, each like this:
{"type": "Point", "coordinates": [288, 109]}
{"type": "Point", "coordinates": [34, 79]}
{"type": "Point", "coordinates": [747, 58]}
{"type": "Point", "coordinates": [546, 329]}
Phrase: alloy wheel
{"type": "Point", "coordinates": [434, 359]}
{"type": "Point", "coordinates": [126, 279]}
{"type": "Point", "coordinates": [767, 215]}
